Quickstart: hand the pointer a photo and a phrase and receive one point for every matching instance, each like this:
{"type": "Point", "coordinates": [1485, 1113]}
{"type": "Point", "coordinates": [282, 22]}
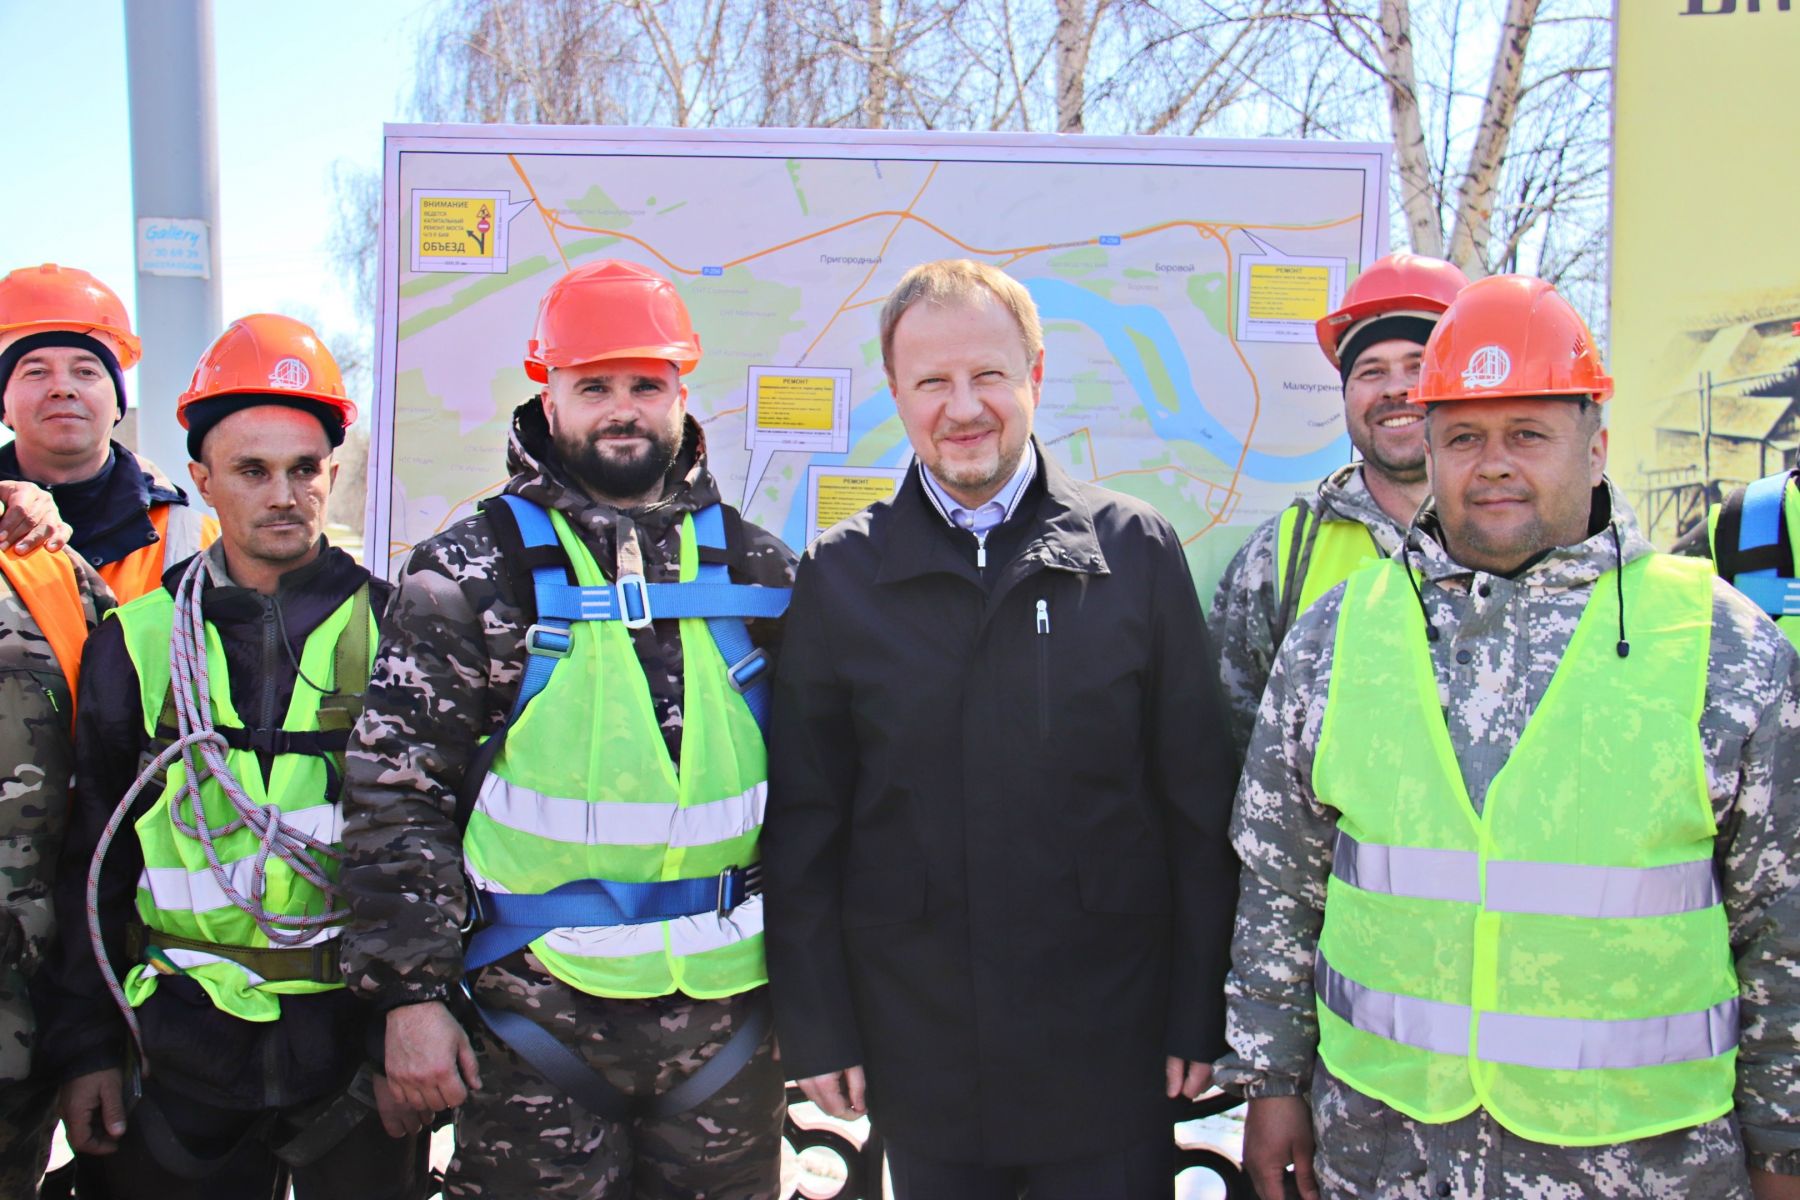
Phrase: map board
{"type": "Point", "coordinates": [1178, 280]}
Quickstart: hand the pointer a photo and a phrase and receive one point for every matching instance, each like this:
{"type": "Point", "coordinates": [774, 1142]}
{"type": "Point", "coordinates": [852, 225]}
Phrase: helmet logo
{"type": "Point", "coordinates": [1488, 367]}
{"type": "Point", "coordinates": [290, 373]}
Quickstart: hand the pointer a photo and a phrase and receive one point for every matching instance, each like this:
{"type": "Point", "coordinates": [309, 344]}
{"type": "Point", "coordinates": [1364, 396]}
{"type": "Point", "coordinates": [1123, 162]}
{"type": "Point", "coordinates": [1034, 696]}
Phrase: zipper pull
{"type": "Point", "coordinates": [1043, 616]}
{"type": "Point", "coordinates": [981, 552]}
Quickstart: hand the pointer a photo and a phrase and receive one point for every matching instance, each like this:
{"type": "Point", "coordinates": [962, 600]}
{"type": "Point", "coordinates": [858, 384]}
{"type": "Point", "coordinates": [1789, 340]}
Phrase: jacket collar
{"type": "Point", "coordinates": [1063, 536]}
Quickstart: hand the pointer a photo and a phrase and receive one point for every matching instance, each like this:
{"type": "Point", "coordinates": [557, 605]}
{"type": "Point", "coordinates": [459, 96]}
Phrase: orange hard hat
{"type": "Point", "coordinates": [1511, 337]}
{"type": "Point", "coordinates": [1409, 285]}
{"type": "Point", "coordinates": [610, 309]}
{"type": "Point", "coordinates": [49, 297]}
{"type": "Point", "coordinates": [270, 355]}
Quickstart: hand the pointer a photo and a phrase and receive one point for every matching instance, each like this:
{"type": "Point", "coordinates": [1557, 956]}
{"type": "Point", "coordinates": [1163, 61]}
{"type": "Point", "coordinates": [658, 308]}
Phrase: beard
{"type": "Point", "coordinates": [1400, 464]}
{"type": "Point", "coordinates": [613, 474]}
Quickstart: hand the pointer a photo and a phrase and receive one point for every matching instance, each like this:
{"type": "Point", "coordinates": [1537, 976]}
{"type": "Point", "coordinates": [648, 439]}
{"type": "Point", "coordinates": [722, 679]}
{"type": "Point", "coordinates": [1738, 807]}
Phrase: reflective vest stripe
{"type": "Point", "coordinates": [1567, 890]}
{"type": "Point", "coordinates": [187, 960]}
{"type": "Point", "coordinates": [1551, 889]}
{"type": "Point", "coordinates": [1407, 870]}
{"type": "Point", "coordinates": [1410, 1020]}
{"type": "Point", "coordinates": [1547, 1043]}
{"type": "Point", "coordinates": [581, 822]}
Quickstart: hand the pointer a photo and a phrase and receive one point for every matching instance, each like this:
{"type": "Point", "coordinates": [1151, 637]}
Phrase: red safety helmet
{"type": "Point", "coordinates": [610, 309]}
{"type": "Point", "coordinates": [267, 354]}
{"type": "Point", "coordinates": [46, 298]}
{"type": "Point", "coordinates": [1511, 337]}
{"type": "Point", "coordinates": [1398, 285]}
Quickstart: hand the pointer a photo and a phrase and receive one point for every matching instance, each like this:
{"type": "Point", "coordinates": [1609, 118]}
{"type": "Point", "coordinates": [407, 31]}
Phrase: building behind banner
{"type": "Point", "coordinates": [1705, 252]}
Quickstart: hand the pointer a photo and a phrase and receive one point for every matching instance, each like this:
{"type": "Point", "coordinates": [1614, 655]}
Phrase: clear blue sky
{"type": "Point", "coordinates": [300, 86]}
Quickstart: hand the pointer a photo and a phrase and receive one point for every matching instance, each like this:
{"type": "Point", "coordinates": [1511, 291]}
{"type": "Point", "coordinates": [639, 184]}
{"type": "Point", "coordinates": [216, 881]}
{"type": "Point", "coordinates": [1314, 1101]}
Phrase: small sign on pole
{"type": "Point", "coordinates": [174, 246]}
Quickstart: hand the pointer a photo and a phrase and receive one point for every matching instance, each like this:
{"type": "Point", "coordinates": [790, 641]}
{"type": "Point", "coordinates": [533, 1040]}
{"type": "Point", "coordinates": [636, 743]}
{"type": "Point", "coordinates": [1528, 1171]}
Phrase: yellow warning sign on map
{"type": "Point", "coordinates": [456, 227]}
{"type": "Point", "coordinates": [1288, 292]}
{"type": "Point", "coordinates": [843, 496]}
{"type": "Point", "coordinates": [801, 403]}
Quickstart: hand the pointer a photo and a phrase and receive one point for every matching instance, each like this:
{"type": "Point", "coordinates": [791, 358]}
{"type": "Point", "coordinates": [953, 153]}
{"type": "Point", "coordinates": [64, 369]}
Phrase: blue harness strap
{"type": "Point", "coordinates": [508, 922]}
{"type": "Point", "coordinates": [712, 596]}
{"type": "Point", "coordinates": [1760, 529]}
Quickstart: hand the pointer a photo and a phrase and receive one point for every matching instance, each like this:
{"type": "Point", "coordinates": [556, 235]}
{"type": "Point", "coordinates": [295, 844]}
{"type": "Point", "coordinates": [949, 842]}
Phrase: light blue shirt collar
{"type": "Point", "coordinates": [982, 520]}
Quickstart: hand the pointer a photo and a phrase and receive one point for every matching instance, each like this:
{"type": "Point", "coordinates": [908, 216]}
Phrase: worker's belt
{"type": "Point", "coordinates": [504, 922]}
{"type": "Point", "coordinates": [276, 964]}
{"type": "Point", "coordinates": [323, 743]}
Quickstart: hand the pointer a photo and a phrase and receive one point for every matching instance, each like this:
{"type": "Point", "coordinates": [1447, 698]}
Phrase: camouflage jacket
{"type": "Point", "coordinates": [37, 764]}
{"type": "Point", "coordinates": [1500, 641]}
{"type": "Point", "coordinates": [445, 677]}
{"type": "Point", "coordinates": [1242, 617]}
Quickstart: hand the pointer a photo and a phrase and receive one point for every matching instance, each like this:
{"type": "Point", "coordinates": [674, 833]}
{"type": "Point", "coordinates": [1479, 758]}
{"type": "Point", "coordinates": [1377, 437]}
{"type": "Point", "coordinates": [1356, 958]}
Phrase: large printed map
{"type": "Point", "coordinates": [1178, 281]}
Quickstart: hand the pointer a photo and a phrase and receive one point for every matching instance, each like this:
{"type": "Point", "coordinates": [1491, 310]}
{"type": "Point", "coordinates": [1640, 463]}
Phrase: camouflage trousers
{"type": "Point", "coordinates": [27, 1119]}
{"type": "Point", "coordinates": [520, 1136]}
{"type": "Point", "coordinates": [1368, 1151]}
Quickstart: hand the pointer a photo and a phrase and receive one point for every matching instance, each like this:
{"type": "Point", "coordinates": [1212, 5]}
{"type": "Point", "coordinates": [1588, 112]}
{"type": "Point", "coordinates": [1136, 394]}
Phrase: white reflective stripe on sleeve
{"type": "Point", "coordinates": [185, 527]}
{"type": "Point", "coordinates": [1567, 890]}
{"type": "Point", "coordinates": [686, 935]}
{"type": "Point", "coordinates": [1407, 870]}
{"type": "Point", "coordinates": [620, 823]}
{"type": "Point", "coordinates": [1549, 1043]}
{"type": "Point", "coordinates": [1545, 888]}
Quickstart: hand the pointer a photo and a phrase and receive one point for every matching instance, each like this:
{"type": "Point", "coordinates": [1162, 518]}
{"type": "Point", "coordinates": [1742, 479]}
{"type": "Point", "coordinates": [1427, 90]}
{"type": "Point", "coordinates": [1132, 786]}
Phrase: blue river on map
{"type": "Point", "coordinates": [1058, 300]}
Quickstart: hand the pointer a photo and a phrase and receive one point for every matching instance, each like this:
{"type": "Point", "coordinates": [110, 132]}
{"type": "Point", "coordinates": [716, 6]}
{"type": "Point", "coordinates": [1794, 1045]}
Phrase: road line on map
{"type": "Point", "coordinates": [543, 213]}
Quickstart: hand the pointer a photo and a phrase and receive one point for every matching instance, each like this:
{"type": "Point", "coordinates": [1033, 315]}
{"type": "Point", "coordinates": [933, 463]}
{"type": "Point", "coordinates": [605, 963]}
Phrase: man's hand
{"type": "Point", "coordinates": [93, 1108]}
{"type": "Point", "coordinates": [1766, 1185]}
{"type": "Point", "coordinates": [28, 519]}
{"type": "Point", "coordinates": [1278, 1134]}
{"type": "Point", "coordinates": [1184, 1078]}
{"type": "Point", "coordinates": [430, 1064]}
{"type": "Point", "coordinates": [398, 1118]}
{"type": "Point", "coordinates": [839, 1094]}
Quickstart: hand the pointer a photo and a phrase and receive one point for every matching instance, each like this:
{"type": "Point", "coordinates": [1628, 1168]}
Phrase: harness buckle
{"type": "Point", "coordinates": [474, 917]}
{"type": "Point", "coordinates": [744, 673]}
{"type": "Point", "coordinates": [550, 641]}
{"type": "Point", "coordinates": [634, 597]}
{"type": "Point", "coordinates": [736, 885]}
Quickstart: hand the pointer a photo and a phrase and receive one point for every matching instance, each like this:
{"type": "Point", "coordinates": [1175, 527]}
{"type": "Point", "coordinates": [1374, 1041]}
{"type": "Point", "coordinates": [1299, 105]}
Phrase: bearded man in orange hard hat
{"type": "Point", "coordinates": [204, 838]}
{"type": "Point", "coordinates": [1375, 338]}
{"type": "Point", "coordinates": [563, 748]}
{"type": "Point", "coordinates": [1517, 915]}
{"type": "Point", "coordinates": [65, 344]}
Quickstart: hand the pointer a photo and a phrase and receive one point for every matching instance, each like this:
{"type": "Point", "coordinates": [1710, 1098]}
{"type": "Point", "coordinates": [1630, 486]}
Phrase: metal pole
{"type": "Point", "coordinates": [175, 200]}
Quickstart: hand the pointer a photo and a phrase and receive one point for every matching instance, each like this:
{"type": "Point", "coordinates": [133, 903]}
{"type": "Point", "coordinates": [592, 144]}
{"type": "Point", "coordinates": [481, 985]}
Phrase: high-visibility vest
{"type": "Point", "coordinates": [46, 583]}
{"type": "Point", "coordinates": [1762, 525]}
{"type": "Point", "coordinates": [1562, 958]}
{"type": "Point", "coordinates": [584, 789]}
{"type": "Point", "coordinates": [1312, 556]}
{"type": "Point", "coordinates": [178, 892]}
{"type": "Point", "coordinates": [181, 531]}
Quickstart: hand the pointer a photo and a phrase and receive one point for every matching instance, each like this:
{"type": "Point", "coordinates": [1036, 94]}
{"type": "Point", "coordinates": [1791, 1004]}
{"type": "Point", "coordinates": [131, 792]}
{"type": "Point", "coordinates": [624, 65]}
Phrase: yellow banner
{"type": "Point", "coordinates": [1705, 252]}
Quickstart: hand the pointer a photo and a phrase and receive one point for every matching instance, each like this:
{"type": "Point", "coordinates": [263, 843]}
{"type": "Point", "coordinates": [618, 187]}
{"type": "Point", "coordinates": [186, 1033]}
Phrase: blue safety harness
{"type": "Point", "coordinates": [504, 922]}
{"type": "Point", "coordinates": [1752, 549]}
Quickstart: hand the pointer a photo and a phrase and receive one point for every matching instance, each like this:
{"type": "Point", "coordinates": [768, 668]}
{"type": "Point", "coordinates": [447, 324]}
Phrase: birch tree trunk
{"type": "Point", "coordinates": [1418, 194]}
{"type": "Point", "coordinates": [875, 98]}
{"type": "Point", "coordinates": [1472, 231]}
{"type": "Point", "coordinates": [1074, 39]}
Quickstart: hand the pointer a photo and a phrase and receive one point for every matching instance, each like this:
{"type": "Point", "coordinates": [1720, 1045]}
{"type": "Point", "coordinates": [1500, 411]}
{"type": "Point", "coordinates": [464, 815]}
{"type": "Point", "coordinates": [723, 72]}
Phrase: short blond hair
{"type": "Point", "coordinates": [960, 281]}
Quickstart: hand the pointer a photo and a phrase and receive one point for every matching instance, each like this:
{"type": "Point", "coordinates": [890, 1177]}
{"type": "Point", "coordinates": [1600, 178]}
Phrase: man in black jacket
{"type": "Point", "coordinates": [220, 931]}
{"type": "Point", "coordinates": [999, 888]}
